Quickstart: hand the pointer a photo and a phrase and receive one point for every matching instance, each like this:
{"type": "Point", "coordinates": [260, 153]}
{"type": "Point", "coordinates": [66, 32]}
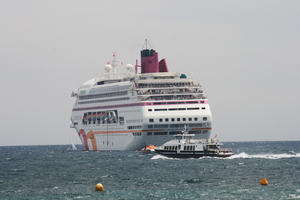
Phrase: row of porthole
{"type": "Point", "coordinates": [175, 109]}
{"type": "Point", "coordinates": [175, 132]}
{"type": "Point", "coordinates": [178, 119]}
{"type": "Point", "coordinates": [170, 133]}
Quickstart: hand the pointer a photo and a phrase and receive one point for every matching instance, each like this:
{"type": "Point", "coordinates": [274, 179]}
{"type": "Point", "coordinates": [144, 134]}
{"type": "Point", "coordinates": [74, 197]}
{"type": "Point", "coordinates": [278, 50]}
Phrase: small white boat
{"type": "Point", "coordinates": [184, 146]}
{"type": "Point", "coordinates": [74, 147]}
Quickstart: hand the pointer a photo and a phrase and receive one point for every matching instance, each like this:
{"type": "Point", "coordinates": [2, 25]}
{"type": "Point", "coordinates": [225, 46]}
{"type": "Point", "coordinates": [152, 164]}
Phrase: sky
{"type": "Point", "coordinates": [245, 54]}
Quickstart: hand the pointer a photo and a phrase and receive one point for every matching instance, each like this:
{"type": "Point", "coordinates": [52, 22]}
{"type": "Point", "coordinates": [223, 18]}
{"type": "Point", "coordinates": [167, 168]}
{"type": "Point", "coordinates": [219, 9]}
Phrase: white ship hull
{"type": "Point", "coordinates": [129, 112]}
{"type": "Point", "coordinates": [122, 137]}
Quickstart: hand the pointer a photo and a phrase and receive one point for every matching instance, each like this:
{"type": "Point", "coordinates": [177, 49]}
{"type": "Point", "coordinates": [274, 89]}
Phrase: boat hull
{"type": "Point", "coordinates": [193, 154]}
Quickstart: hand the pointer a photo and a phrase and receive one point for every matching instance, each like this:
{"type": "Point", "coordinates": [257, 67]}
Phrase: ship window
{"type": "Point", "coordinates": [183, 119]}
{"type": "Point", "coordinates": [160, 133]}
{"type": "Point", "coordinates": [150, 126]}
{"type": "Point", "coordinates": [205, 131]}
{"type": "Point", "coordinates": [160, 109]}
{"type": "Point", "coordinates": [190, 119]}
{"type": "Point", "coordinates": [193, 132]}
{"type": "Point", "coordinates": [149, 110]}
{"type": "Point", "coordinates": [159, 103]}
{"type": "Point", "coordinates": [134, 127]}
{"type": "Point", "coordinates": [149, 133]}
{"type": "Point", "coordinates": [196, 119]}
{"type": "Point", "coordinates": [201, 101]}
{"type": "Point", "coordinates": [173, 132]}
{"type": "Point", "coordinates": [192, 102]}
{"type": "Point", "coordinates": [151, 120]}
{"type": "Point", "coordinates": [178, 119]}
{"type": "Point", "coordinates": [94, 96]}
{"type": "Point", "coordinates": [167, 119]}
{"type": "Point", "coordinates": [193, 108]}
{"type": "Point", "coordinates": [160, 120]}
{"type": "Point", "coordinates": [121, 120]}
{"type": "Point", "coordinates": [161, 126]}
{"type": "Point", "coordinates": [195, 125]}
{"type": "Point", "coordinates": [172, 119]}
{"type": "Point", "coordinates": [137, 134]}
{"type": "Point", "coordinates": [181, 108]}
{"type": "Point", "coordinates": [177, 126]}
{"type": "Point", "coordinates": [105, 100]}
{"type": "Point", "coordinates": [204, 118]}
{"type": "Point", "coordinates": [203, 108]}
{"type": "Point", "coordinates": [173, 109]}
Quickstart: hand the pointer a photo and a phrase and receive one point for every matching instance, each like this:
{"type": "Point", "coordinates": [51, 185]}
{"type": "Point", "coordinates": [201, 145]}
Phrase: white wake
{"type": "Point", "coordinates": [157, 156]}
{"type": "Point", "coordinates": [265, 156]}
{"type": "Point", "coordinates": [244, 155]}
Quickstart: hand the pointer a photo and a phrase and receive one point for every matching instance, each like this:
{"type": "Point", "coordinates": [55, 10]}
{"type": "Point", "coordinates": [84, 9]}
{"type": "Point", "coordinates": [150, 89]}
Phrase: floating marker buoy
{"type": "Point", "coordinates": [99, 187]}
{"type": "Point", "coordinates": [264, 181]}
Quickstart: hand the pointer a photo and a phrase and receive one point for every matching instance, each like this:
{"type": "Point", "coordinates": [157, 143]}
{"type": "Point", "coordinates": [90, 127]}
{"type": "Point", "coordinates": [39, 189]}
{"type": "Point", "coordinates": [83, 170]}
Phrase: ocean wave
{"type": "Point", "coordinates": [265, 156]}
{"type": "Point", "coordinates": [157, 156]}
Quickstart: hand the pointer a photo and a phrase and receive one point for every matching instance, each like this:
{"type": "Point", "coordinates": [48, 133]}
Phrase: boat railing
{"type": "Point", "coordinates": [171, 97]}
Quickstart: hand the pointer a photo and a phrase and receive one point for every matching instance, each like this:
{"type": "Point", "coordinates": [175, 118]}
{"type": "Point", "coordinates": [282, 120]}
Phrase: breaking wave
{"type": "Point", "coordinates": [266, 156]}
{"type": "Point", "coordinates": [157, 156]}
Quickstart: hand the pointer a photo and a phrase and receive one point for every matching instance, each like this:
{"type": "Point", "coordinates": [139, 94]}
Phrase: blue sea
{"type": "Point", "coordinates": [54, 172]}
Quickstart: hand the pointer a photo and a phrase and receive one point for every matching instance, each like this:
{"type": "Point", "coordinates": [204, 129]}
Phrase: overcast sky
{"type": "Point", "coordinates": [245, 54]}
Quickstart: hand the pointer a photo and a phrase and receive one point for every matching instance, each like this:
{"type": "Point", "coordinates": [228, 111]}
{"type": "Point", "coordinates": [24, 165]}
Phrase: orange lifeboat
{"type": "Point", "coordinates": [148, 149]}
{"type": "Point", "coordinates": [264, 181]}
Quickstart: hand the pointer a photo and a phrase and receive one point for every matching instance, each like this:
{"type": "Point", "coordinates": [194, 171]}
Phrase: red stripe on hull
{"type": "Point", "coordinates": [81, 132]}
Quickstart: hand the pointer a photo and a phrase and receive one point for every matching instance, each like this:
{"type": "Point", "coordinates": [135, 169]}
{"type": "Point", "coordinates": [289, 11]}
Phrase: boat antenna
{"type": "Point", "coordinates": [146, 43]}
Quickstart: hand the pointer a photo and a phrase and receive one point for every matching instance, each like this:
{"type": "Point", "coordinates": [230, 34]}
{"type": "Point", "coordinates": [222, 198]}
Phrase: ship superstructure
{"type": "Point", "coordinates": [128, 110]}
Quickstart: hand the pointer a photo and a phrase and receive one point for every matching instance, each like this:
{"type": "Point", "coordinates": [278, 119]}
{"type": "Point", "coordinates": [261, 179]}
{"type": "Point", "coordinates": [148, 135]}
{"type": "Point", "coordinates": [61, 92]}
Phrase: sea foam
{"type": "Point", "coordinates": [265, 156]}
{"type": "Point", "coordinates": [244, 155]}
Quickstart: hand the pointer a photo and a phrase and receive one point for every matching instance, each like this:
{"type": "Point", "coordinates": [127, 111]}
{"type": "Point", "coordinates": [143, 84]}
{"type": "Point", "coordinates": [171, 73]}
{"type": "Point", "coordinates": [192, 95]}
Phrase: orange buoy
{"type": "Point", "coordinates": [99, 187]}
{"type": "Point", "coordinates": [264, 181]}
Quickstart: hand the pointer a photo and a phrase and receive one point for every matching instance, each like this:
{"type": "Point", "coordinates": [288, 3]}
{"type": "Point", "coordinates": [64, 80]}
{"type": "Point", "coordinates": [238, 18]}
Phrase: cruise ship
{"type": "Point", "coordinates": [129, 107]}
